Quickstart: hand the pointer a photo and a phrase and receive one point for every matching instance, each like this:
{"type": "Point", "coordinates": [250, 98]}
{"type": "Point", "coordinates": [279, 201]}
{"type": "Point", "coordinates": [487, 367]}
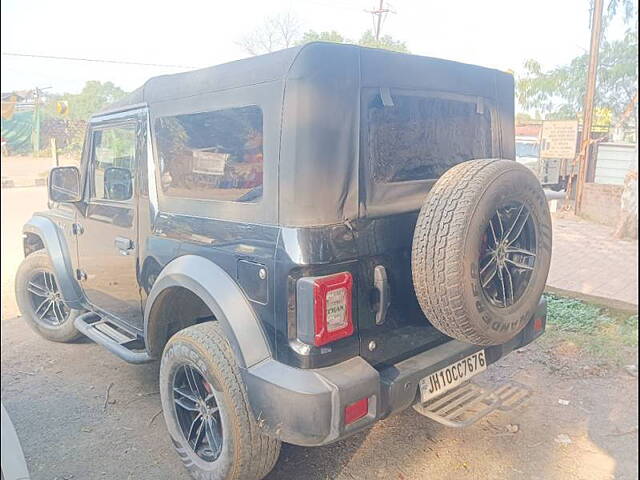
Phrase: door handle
{"type": "Point", "coordinates": [381, 284]}
{"type": "Point", "coordinates": [124, 245]}
{"type": "Point", "coordinates": [77, 229]}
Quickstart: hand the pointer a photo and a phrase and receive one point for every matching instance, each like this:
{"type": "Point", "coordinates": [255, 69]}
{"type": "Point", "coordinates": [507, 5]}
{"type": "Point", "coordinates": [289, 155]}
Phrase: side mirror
{"type": "Point", "coordinates": [118, 184]}
{"type": "Point", "coordinates": [64, 185]}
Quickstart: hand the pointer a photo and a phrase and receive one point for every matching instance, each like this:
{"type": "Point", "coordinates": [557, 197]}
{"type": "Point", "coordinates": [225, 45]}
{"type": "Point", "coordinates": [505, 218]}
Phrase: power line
{"type": "Point", "coordinates": [98, 60]}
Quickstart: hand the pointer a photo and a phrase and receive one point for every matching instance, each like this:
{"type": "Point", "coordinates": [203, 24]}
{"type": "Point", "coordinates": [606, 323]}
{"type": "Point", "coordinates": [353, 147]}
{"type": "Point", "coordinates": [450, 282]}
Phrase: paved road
{"type": "Point", "coordinates": [55, 394]}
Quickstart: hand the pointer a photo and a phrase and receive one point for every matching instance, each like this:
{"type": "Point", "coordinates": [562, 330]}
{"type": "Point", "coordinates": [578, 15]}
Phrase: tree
{"type": "Point", "coordinates": [313, 36]}
{"type": "Point", "coordinates": [283, 31]}
{"type": "Point", "coordinates": [630, 11]}
{"type": "Point", "coordinates": [277, 32]}
{"type": "Point", "coordinates": [523, 118]}
{"type": "Point", "coordinates": [559, 92]}
{"type": "Point", "coordinates": [386, 42]}
{"type": "Point", "coordinates": [368, 39]}
{"type": "Point", "coordinates": [94, 96]}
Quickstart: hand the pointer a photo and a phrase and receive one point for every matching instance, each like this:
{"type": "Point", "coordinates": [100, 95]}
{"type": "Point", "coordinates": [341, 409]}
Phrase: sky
{"type": "Point", "coordinates": [494, 33]}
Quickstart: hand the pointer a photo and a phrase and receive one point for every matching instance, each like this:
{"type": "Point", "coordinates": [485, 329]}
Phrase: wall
{"type": "Point", "coordinates": [601, 203]}
{"type": "Point", "coordinates": [614, 161]}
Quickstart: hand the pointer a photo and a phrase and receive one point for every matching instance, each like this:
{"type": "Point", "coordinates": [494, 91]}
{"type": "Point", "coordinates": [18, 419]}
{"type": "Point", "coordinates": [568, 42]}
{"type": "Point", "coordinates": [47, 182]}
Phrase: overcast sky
{"type": "Point", "coordinates": [495, 33]}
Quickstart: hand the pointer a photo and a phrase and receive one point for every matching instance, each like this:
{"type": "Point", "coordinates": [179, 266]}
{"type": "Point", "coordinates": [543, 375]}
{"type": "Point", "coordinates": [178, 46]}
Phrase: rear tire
{"type": "Point", "coordinates": [202, 353]}
{"type": "Point", "coordinates": [475, 284]}
{"type": "Point", "coordinates": [40, 301]}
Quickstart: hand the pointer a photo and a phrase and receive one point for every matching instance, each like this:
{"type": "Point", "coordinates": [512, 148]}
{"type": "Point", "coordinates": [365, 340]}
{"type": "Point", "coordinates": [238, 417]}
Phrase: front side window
{"type": "Point", "coordinates": [420, 137]}
{"type": "Point", "coordinates": [113, 162]}
{"type": "Point", "coordinates": [214, 155]}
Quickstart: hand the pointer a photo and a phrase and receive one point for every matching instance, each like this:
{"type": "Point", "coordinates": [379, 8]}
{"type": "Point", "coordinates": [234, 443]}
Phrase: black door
{"type": "Point", "coordinates": [107, 246]}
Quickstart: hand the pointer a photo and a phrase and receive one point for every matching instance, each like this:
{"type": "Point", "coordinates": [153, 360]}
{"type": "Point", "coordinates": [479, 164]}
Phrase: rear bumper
{"type": "Point", "coordinates": [306, 406]}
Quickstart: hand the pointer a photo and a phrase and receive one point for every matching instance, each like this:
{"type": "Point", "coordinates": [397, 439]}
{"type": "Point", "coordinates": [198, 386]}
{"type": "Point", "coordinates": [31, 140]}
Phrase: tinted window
{"type": "Point", "coordinates": [212, 155]}
{"type": "Point", "coordinates": [113, 157]}
{"type": "Point", "coordinates": [420, 138]}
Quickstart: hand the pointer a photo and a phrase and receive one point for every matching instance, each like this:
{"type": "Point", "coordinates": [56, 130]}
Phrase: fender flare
{"type": "Point", "coordinates": [223, 297]}
{"type": "Point", "coordinates": [56, 246]}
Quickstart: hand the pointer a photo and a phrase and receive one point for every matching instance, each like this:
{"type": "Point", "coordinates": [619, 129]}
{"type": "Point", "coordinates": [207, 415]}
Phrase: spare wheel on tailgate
{"type": "Point", "coordinates": [481, 251]}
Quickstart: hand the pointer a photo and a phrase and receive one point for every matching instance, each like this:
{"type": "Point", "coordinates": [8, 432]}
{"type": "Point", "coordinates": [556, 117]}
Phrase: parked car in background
{"type": "Point", "coordinates": [528, 152]}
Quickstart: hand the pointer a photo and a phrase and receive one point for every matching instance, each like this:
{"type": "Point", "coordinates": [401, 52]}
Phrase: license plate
{"type": "Point", "coordinates": [449, 377]}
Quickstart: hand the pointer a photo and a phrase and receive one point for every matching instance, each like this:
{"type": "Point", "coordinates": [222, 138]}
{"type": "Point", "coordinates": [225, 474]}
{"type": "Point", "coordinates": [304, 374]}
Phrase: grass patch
{"type": "Point", "coordinates": [607, 336]}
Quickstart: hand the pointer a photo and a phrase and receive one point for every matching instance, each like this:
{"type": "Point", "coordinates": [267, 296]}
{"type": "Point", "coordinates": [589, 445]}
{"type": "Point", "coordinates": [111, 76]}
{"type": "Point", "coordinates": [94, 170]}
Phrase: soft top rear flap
{"type": "Point", "coordinates": [320, 179]}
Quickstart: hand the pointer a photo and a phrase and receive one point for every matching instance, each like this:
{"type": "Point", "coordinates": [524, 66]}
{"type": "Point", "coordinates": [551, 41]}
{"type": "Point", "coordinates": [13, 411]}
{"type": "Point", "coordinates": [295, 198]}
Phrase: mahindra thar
{"type": "Point", "coordinates": [308, 241]}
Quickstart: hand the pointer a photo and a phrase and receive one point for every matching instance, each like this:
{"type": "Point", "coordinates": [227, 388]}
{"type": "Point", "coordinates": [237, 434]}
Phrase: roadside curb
{"type": "Point", "coordinates": [611, 303]}
{"type": "Point", "coordinates": [36, 182]}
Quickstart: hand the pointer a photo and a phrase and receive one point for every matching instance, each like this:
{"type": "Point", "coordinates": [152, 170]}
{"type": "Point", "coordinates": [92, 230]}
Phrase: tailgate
{"type": "Point", "coordinates": [405, 330]}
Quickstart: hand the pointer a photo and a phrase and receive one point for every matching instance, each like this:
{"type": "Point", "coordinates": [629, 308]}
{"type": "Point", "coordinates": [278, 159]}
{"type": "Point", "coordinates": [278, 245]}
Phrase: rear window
{"type": "Point", "coordinates": [213, 155]}
{"type": "Point", "coordinates": [420, 137]}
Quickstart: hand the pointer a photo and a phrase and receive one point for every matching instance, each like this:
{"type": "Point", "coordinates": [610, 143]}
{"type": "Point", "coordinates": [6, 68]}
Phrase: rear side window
{"type": "Point", "coordinates": [213, 155]}
{"type": "Point", "coordinates": [420, 137]}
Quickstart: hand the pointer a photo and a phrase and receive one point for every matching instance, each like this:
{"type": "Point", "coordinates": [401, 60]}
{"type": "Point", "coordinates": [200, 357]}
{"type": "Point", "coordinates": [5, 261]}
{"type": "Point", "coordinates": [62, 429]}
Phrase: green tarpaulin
{"type": "Point", "coordinates": [17, 132]}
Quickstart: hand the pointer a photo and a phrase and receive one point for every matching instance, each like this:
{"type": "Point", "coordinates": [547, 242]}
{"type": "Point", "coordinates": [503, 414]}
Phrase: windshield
{"type": "Point", "coordinates": [420, 137]}
{"type": "Point", "coordinates": [526, 149]}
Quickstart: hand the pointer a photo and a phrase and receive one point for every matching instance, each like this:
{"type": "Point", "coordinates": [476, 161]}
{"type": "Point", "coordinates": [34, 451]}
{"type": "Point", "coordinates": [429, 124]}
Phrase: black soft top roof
{"type": "Point", "coordinates": [377, 68]}
{"type": "Point", "coordinates": [311, 96]}
{"type": "Point", "coordinates": [239, 73]}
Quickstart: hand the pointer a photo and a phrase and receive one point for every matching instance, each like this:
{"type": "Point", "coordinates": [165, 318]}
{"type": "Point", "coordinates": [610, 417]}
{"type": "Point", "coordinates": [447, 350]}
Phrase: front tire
{"type": "Point", "coordinates": [40, 301]}
{"type": "Point", "coordinates": [206, 409]}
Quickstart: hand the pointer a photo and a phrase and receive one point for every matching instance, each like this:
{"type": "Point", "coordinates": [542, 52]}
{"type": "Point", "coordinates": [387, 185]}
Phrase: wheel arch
{"type": "Point", "coordinates": [194, 276]}
{"type": "Point", "coordinates": [42, 233]}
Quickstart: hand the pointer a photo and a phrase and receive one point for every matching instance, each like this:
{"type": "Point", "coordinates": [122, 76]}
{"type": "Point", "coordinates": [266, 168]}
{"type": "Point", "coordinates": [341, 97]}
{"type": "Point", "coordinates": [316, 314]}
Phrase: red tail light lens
{"type": "Point", "coordinates": [356, 411]}
{"type": "Point", "coordinates": [324, 308]}
{"type": "Point", "coordinates": [332, 308]}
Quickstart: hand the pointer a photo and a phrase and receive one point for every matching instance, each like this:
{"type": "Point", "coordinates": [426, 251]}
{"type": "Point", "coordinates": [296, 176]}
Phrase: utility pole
{"type": "Point", "coordinates": [379, 13]}
{"type": "Point", "coordinates": [587, 123]}
{"type": "Point", "coordinates": [36, 123]}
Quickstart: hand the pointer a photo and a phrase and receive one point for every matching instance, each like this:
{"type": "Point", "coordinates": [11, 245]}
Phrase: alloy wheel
{"type": "Point", "coordinates": [508, 255]}
{"type": "Point", "coordinates": [198, 412]}
{"type": "Point", "coordinates": [47, 302]}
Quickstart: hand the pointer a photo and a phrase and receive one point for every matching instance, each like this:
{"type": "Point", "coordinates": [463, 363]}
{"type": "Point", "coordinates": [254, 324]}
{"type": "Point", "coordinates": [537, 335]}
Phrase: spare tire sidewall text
{"type": "Point", "coordinates": [511, 186]}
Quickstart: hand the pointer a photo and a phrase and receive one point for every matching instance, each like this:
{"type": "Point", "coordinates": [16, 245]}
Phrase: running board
{"type": "Point", "coordinates": [465, 405]}
{"type": "Point", "coordinates": [112, 337]}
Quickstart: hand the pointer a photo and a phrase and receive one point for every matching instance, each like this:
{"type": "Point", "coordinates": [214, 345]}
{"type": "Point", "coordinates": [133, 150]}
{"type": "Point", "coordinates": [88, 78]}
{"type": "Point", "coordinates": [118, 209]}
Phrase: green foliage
{"type": "Point", "coordinates": [523, 118]}
{"type": "Point", "coordinates": [94, 96]}
{"type": "Point", "coordinates": [607, 336]}
{"type": "Point", "coordinates": [313, 36]}
{"type": "Point", "coordinates": [385, 42]}
{"type": "Point", "coordinates": [630, 13]}
{"type": "Point", "coordinates": [571, 315]}
{"type": "Point", "coordinates": [367, 39]}
{"type": "Point", "coordinates": [559, 92]}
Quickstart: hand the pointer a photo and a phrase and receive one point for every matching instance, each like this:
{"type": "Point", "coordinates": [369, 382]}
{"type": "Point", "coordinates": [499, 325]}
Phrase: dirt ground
{"type": "Point", "coordinates": [69, 429]}
{"type": "Point", "coordinates": [56, 396]}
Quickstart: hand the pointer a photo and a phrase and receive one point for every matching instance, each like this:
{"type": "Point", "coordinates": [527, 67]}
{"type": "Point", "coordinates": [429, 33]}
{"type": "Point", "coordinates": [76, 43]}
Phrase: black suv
{"type": "Point", "coordinates": [308, 241]}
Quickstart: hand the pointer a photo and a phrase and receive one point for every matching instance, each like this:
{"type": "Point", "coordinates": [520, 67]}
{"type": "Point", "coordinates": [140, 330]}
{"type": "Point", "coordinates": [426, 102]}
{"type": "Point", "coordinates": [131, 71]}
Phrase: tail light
{"type": "Point", "coordinates": [324, 308]}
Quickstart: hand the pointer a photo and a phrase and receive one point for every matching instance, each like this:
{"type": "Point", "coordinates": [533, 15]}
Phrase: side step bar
{"type": "Point", "coordinates": [465, 405]}
{"type": "Point", "coordinates": [111, 337]}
